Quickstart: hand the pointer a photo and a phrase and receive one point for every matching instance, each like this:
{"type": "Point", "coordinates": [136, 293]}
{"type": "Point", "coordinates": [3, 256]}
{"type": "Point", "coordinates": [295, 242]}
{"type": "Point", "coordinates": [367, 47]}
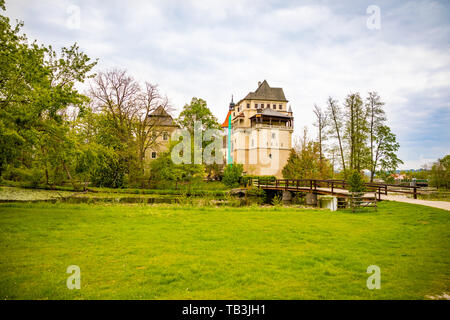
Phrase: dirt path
{"type": "Point", "coordinates": [435, 204]}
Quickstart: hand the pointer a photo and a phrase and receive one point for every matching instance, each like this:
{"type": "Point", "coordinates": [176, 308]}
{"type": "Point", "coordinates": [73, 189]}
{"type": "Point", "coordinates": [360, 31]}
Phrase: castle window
{"type": "Point", "coordinates": [239, 109]}
{"type": "Point", "coordinates": [153, 155]}
{"type": "Point", "coordinates": [270, 155]}
{"type": "Point", "coordinates": [248, 105]}
{"type": "Point", "coordinates": [165, 136]}
{"type": "Point", "coordinates": [256, 105]}
{"type": "Point", "coordinates": [274, 106]}
{"type": "Point", "coordinates": [280, 106]}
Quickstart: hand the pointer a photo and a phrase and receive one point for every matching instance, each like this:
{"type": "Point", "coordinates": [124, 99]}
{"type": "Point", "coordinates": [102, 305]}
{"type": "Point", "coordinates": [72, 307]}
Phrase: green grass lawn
{"type": "Point", "coordinates": [173, 252]}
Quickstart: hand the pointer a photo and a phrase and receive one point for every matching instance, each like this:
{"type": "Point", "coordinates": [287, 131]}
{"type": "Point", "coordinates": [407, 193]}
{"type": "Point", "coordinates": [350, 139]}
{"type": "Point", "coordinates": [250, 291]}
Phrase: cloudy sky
{"type": "Point", "coordinates": [313, 49]}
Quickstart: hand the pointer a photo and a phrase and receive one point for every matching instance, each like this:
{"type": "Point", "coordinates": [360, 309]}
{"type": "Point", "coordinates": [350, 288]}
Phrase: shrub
{"type": "Point", "coordinates": [356, 182]}
{"type": "Point", "coordinates": [277, 200]}
{"type": "Point", "coordinates": [232, 175]}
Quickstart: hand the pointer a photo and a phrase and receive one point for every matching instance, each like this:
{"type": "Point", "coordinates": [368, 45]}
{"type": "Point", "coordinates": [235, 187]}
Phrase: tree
{"type": "Point", "coordinates": [335, 115]}
{"type": "Point", "coordinates": [440, 173]}
{"type": "Point", "coordinates": [128, 106]}
{"type": "Point", "coordinates": [356, 182]}
{"type": "Point", "coordinates": [164, 169]}
{"type": "Point", "coordinates": [37, 87]}
{"type": "Point", "coordinates": [385, 152]}
{"type": "Point", "coordinates": [198, 111]}
{"type": "Point", "coordinates": [321, 123]}
{"type": "Point", "coordinates": [290, 170]}
{"type": "Point", "coordinates": [356, 130]}
{"type": "Point", "coordinates": [232, 175]}
{"type": "Point", "coordinates": [306, 162]}
{"type": "Point", "coordinates": [376, 119]}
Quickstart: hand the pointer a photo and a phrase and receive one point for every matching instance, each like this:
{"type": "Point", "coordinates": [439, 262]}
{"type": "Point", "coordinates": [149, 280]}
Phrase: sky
{"type": "Point", "coordinates": [312, 49]}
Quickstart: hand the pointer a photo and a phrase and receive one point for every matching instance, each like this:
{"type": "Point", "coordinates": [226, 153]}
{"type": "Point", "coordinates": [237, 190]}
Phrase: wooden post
{"type": "Point", "coordinates": [258, 183]}
{"type": "Point", "coordinates": [379, 193]}
{"type": "Point", "coordinates": [310, 185]}
{"type": "Point", "coordinates": [415, 192]}
{"type": "Point", "coordinates": [276, 183]}
{"type": "Point", "coordinates": [385, 189]}
{"type": "Point", "coordinates": [287, 184]}
{"type": "Point", "coordinates": [297, 184]}
{"type": "Point", "coordinates": [332, 187]}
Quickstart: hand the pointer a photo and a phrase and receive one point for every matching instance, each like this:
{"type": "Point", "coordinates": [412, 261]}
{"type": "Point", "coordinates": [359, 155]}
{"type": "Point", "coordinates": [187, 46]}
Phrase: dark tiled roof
{"type": "Point", "coordinates": [162, 117]}
{"type": "Point", "coordinates": [265, 92]}
{"type": "Point", "coordinates": [271, 113]}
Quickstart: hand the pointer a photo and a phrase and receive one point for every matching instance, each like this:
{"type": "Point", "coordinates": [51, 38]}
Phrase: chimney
{"type": "Point", "coordinates": [259, 84]}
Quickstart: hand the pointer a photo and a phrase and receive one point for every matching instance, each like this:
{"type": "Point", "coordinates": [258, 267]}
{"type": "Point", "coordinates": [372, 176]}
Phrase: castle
{"type": "Point", "coordinates": [261, 131]}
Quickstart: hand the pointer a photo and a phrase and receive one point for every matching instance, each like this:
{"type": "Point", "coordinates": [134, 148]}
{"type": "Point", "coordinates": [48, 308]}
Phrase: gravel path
{"type": "Point", "coordinates": [435, 204]}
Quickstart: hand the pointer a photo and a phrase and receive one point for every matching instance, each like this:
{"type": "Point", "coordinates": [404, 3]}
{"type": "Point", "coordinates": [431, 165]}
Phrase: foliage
{"type": "Point", "coordinates": [164, 169]}
{"type": "Point", "coordinates": [232, 175]}
{"type": "Point", "coordinates": [356, 182]}
{"type": "Point", "coordinates": [305, 162]}
{"type": "Point", "coordinates": [37, 90]}
{"type": "Point", "coordinates": [440, 173]}
{"type": "Point", "coordinates": [291, 169]}
{"type": "Point", "coordinates": [198, 111]}
{"type": "Point", "coordinates": [277, 200]}
{"type": "Point", "coordinates": [364, 141]}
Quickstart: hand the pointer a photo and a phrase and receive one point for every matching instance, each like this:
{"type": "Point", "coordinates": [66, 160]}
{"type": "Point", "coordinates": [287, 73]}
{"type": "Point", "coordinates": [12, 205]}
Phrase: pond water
{"type": "Point", "coordinates": [193, 200]}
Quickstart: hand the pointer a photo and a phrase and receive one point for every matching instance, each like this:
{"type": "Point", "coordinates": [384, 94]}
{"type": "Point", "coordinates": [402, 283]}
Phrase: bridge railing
{"type": "Point", "coordinates": [314, 184]}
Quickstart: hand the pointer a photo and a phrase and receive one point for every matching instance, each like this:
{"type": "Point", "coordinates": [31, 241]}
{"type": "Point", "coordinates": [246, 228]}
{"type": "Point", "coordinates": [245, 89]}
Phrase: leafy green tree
{"type": "Point", "coordinates": [232, 175]}
{"type": "Point", "coordinates": [356, 130]}
{"type": "Point", "coordinates": [290, 170]}
{"type": "Point", "coordinates": [376, 118]}
{"type": "Point", "coordinates": [385, 152]}
{"type": "Point", "coordinates": [440, 173]}
{"type": "Point", "coordinates": [37, 88]}
{"type": "Point", "coordinates": [356, 182]}
{"type": "Point", "coordinates": [164, 169]}
{"type": "Point", "coordinates": [198, 110]}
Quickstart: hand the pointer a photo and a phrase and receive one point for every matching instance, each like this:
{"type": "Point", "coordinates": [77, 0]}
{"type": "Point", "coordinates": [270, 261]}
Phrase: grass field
{"type": "Point", "coordinates": [174, 252]}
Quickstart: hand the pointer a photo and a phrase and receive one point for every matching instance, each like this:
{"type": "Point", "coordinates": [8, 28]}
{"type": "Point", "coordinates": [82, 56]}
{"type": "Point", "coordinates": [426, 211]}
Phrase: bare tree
{"type": "Point", "coordinates": [321, 123]}
{"type": "Point", "coordinates": [147, 129]}
{"type": "Point", "coordinates": [335, 115]}
{"type": "Point", "coordinates": [377, 118]}
{"type": "Point", "coordinates": [129, 106]}
{"type": "Point", "coordinates": [115, 93]}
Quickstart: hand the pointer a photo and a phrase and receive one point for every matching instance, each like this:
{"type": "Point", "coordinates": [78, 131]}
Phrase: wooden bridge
{"type": "Point", "coordinates": [337, 188]}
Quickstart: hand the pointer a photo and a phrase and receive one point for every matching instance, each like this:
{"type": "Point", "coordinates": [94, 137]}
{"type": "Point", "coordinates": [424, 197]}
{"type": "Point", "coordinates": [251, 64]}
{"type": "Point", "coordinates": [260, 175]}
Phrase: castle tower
{"type": "Point", "coordinates": [262, 127]}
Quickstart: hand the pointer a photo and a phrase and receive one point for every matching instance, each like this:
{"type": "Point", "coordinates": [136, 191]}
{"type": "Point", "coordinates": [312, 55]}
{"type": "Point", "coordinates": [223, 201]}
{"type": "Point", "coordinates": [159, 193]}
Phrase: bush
{"type": "Point", "coordinates": [277, 200]}
{"type": "Point", "coordinates": [356, 182]}
{"type": "Point", "coordinates": [232, 175]}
